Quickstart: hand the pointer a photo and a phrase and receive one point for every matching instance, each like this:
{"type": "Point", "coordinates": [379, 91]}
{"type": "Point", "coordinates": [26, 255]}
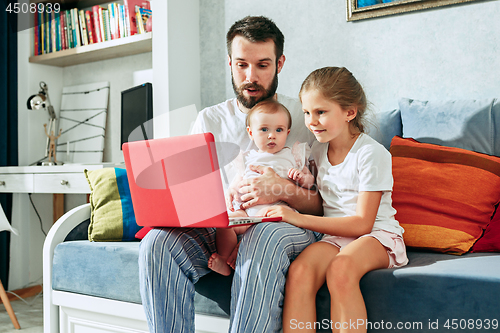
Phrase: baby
{"type": "Point", "coordinates": [268, 125]}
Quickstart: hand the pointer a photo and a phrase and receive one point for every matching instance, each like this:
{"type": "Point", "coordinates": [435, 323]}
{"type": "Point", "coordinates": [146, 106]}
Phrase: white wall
{"type": "Point", "coordinates": [119, 73]}
{"type": "Point", "coordinates": [176, 63]}
{"type": "Point", "coordinates": [446, 53]}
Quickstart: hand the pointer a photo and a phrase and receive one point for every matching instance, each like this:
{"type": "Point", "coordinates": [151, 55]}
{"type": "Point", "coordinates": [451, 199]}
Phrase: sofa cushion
{"type": "Point", "coordinates": [450, 216]}
{"type": "Point", "coordinates": [432, 286]}
{"type": "Point", "coordinates": [111, 270]}
{"type": "Point", "coordinates": [383, 126]}
{"type": "Point", "coordinates": [467, 124]}
{"type": "Point", "coordinates": [112, 214]}
{"type": "Point", "coordinates": [490, 241]}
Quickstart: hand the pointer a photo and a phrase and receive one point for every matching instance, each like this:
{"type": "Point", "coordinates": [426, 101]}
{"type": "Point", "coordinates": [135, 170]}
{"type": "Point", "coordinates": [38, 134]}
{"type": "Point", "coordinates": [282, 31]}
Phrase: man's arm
{"type": "Point", "coordinates": [270, 187]}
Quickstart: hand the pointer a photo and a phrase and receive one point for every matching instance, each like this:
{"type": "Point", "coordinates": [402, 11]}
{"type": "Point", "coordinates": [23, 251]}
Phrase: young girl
{"type": "Point", "coordinates": [355, 180]}
{"type": "Point", "coordinates": [268, 125]}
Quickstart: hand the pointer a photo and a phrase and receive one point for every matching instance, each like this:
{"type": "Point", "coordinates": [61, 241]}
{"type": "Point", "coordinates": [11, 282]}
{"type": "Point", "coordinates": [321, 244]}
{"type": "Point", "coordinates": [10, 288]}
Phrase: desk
{"type": "Point", "coordinates": [26, 249]}
{"type": "Point", "coordinates": [57, 179]}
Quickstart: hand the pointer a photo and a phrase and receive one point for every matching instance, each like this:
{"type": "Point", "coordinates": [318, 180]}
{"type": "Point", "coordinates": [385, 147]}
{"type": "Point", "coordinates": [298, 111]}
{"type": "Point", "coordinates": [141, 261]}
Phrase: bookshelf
{"type": "Point", "coordinates": [120, 47]}
{"type": "Point", "coordinates": [125, 46]}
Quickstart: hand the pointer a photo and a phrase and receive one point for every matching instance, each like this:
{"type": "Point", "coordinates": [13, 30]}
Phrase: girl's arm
{"type": "Point", "coordinates": [348, 226]}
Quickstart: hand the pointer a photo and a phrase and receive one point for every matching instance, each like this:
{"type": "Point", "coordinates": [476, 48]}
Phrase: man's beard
{"type": "Point", "coordinates": [249, 102]}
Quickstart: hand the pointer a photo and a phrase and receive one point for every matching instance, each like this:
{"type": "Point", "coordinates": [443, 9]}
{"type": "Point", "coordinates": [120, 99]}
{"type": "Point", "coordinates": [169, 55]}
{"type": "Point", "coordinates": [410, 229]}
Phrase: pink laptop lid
{"type": "Point", "coordinates": [176, 182]}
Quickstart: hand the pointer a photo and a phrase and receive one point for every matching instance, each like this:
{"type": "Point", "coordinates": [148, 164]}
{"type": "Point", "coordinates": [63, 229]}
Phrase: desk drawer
{"type": "Point", "coordinates": [61, 183]}
{"type": "Point", "coordinates": [16, 183]}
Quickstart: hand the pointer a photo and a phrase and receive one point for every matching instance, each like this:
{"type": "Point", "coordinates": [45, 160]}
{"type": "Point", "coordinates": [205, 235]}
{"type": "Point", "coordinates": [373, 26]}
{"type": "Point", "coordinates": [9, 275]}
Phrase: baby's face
{"type": "Point", "coordinates": [269, 131]}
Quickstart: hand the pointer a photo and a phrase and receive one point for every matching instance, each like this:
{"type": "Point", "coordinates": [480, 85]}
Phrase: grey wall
{"type": "Point", "coordinates": [446, 53]}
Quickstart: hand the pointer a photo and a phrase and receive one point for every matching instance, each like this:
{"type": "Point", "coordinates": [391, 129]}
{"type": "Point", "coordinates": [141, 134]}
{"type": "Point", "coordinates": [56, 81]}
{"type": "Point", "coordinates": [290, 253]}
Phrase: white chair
{"type": "Point", "coordinates": [5, 225]}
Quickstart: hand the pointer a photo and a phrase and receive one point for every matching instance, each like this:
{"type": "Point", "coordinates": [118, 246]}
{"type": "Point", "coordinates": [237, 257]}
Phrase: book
{"type": "Point", "coordinates": [69, 30]}
{"type": "Point", "coordinates": [117, 20]}
{"type": "Point", "coordinates": [101, 25]}
{"type": "Point", "coordinates": [126, 33]}
{"type": "Point", "coordinates": [53, 38]}
{"type": "Point", "coordinates": [41, 33]}
{"type": "Point", "coordinates": [121, 22]}
{"type": "Point", "coordinates": [90, 26]}
{"type": "Point", "coordinates": [106, 22]}
{"type": "Point", "coordinates": [61, 29]}
{"type": "Point", "coordinates": [130, 6]}
{"type": "Point", "coordinates": [96, 24]}
{"type": "Point", "coordinates": [111, 25]}
{"type": "Point", "coordinates": [58, 31]}
{"type": "Point", "coordinates": [127, 21]}
{"type": "Point", "coordinates": [83, 27]}
{"type": "Point", "coordinates": [145, 15]}
{"type": "Point", "coordinates": [138, 21]}
{"type": "Point", "coordinates": [36, 34]}
{"type": "Point", "coordinates": [76, 28]}
{"type": "Point", "coordinates": [47, 33]}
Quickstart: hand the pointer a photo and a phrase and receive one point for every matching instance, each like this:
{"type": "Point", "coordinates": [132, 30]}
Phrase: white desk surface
{"type": "Point", "coordinates": [67, 178]}
{"type": "Point", "coordinates": [66, 168]}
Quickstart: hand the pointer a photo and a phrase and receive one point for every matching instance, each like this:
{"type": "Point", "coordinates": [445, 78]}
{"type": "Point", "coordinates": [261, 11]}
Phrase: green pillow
{"type": "Point", "coordinates": [112, 214]}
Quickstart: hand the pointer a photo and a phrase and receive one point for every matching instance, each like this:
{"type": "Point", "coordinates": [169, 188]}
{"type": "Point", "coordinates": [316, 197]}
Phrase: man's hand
{"type": "Point", "coordinates": [264, 189]}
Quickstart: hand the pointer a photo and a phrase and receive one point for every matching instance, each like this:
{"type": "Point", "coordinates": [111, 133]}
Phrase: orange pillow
{"type": "Point", "coordinates": [444, 197]}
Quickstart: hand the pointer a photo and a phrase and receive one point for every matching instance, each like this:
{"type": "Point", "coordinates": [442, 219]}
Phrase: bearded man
{"type": "Point", "coordinates": [172, 260]}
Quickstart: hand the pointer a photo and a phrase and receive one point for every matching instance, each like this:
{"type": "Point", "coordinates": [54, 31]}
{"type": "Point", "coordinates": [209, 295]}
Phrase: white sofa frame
{"type": "Point", "coordinates": [66, 312]}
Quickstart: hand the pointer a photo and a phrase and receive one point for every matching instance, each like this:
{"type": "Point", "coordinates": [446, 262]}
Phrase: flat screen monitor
{"type": "Point", "coordinates": [137, 110]}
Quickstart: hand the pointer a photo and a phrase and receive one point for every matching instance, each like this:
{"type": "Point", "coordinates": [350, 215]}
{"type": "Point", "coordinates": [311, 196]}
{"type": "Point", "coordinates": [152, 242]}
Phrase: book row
{"type": "Point", "coordinates": [78, 27]}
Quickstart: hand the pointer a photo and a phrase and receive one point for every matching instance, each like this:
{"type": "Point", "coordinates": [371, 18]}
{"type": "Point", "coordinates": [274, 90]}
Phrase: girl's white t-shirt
{"type": "Point", "coordinates": [367, 167]}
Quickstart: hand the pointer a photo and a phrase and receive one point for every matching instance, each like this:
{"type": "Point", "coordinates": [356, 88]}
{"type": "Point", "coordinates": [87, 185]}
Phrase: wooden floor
{"type": "Point", "coordinates": [29, 312]}
{"type": "Point", "coordinates": [24, 293]}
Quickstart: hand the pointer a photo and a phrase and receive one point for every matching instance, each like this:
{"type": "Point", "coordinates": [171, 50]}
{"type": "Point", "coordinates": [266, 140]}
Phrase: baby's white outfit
{"type": "Point", "coordinates": [295, 157]}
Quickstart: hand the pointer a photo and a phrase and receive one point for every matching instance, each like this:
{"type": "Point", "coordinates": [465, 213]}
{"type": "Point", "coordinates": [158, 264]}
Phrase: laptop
{"type": "Point", "coordinates": [176, 182]}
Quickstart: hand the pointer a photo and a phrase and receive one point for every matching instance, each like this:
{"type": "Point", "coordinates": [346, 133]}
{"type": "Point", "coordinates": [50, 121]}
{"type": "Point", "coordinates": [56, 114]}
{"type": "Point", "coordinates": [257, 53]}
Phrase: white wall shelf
{"type": "Point", "coordinates": [120, 47]}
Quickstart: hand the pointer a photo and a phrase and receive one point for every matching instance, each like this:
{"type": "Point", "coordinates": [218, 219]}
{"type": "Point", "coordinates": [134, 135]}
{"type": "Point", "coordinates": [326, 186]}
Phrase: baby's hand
{"type": "Point", "coordinates": [304, 178]}
{"type": "Point", "coordinates": [295, 174]}
{"type": "Point", "coordinates": [232, 194]}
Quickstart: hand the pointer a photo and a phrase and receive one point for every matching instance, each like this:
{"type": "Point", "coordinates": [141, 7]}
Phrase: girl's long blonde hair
{"type": "Point", "coordinates": [337, 84]}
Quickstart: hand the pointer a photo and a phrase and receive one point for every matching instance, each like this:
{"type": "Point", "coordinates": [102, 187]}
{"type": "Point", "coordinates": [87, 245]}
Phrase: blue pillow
{"type": "Point", "coordinates": [467, 124]}
{"type": "Point", "coordinates": [383, 126]}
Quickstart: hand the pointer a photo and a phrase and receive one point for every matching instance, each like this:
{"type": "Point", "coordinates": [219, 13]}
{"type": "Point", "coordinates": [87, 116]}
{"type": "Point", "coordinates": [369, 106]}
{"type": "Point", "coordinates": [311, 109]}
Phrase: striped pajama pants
{"type": "Point", "coordinates": [171, 261]}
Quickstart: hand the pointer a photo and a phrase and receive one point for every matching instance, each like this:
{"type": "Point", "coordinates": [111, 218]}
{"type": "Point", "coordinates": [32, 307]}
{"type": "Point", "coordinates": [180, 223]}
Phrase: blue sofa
{"type": "Point", "coordinates": [96, 284]}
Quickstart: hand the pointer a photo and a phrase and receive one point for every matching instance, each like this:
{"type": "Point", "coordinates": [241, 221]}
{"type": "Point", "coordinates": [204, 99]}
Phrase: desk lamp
{"type": "Point", "coordinates": [42, 101]}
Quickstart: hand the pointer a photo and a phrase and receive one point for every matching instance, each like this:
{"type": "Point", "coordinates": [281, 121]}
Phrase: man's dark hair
{"type": "Point", "coordinates": [256, 29]}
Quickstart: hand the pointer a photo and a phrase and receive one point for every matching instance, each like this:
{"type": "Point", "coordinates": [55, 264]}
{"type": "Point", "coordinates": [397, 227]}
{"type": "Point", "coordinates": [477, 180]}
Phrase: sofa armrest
{"type": "Point", "coordinates": [56, 235]}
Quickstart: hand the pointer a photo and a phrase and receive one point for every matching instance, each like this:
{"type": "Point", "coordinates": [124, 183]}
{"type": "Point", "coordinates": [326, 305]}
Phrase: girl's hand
{"type": "Point", "coordinates": [287, 214]}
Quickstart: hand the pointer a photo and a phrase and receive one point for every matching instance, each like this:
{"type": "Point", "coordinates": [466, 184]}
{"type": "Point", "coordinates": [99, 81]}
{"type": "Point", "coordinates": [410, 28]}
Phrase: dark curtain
{"type": "Point", "coordinates": [8, 120]}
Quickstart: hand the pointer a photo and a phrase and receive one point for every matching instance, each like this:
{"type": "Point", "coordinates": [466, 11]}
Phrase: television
{"type": "Point", "coordinates": [137, 111]}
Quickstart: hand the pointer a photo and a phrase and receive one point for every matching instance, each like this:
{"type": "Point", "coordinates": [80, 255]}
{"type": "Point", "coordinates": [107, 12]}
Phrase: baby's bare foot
{"type": "Point", "coordinates": [218, 264]}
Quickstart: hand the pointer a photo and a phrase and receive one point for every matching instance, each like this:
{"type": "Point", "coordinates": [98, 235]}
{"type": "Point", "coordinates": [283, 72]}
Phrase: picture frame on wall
{"type": "Point", "coordinates": [365, 9]}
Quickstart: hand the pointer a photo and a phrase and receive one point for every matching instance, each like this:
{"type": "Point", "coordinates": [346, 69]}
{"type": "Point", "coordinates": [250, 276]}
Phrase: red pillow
{"type": "Point", "coordinates": [444, 197]}
{"type": "Point", "coordinates": [490, 241]}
